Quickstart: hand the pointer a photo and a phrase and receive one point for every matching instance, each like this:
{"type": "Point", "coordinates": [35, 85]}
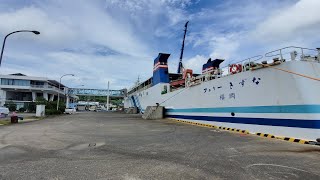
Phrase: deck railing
{"type": "Point", "coordinates": [284, 54]}
{"type": "Point", "coordinates": [281, 52]}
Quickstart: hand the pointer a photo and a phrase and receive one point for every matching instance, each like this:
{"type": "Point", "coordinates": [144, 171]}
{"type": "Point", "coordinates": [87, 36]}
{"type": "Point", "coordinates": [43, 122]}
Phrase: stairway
{"type": "Point", "coordinates": [137, 104]}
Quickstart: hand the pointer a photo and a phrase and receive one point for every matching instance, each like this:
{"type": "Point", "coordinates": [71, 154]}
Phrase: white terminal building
{"type": "Point", "coordinates": [21, 89]}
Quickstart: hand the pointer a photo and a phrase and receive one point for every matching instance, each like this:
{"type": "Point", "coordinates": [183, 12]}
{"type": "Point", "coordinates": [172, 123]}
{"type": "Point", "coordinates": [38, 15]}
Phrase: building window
{"type": "Point", "coordinates": [37, 83]}
{"type": "Point", "coordinates": [15, 82]}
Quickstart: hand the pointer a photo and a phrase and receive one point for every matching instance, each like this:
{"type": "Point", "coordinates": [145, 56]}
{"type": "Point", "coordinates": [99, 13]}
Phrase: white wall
{"type": "Point", "coordinates": [3, 96]}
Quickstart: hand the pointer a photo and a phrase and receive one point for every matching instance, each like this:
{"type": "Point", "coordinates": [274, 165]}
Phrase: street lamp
{"type": "Point", "coordinates": [59, 88]}
{"type": "Point", "coordinates": [5, 38]}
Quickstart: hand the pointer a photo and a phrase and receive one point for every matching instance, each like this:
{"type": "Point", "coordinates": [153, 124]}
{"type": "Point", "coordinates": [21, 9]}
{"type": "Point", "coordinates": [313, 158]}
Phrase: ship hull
{"type": "Point", "coordinates": [266, 100]}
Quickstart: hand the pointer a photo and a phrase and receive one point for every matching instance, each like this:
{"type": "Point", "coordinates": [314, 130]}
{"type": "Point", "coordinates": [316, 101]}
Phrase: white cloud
{"type": "Point", "coordinates": [90, 70]}
{"type": "Point", "coordinates": [298, 22]}
{"type": "Point", "coordinates": [195, 63]}
{"type": "Point", "coordinates": [225, 47]}
{"type": "Point", "coordinates": [31, 18]}
{"type": "Point", "coordinates": [218, 45]}
{"type": "Point", "coordinates": [247, 30]}
{"type": "Point", "coordinates": [157, 18]}
{"type": "Point", "coordinates": [81, 38]}
{"type": "Point", "coordinates": [116, 41]}
{"type": "Point", "coordinates": [73, 24]}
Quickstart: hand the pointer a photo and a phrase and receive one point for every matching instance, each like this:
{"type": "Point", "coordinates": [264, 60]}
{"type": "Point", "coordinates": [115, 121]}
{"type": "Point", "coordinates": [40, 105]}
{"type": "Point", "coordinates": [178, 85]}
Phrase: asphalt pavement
{"type": "Point", "coordinates": [101, 145]}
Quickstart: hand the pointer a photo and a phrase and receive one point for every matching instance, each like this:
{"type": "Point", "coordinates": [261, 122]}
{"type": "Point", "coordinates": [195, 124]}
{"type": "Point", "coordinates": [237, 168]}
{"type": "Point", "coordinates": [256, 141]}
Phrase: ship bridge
{"type": "Point", "coordinates": [96, 92]}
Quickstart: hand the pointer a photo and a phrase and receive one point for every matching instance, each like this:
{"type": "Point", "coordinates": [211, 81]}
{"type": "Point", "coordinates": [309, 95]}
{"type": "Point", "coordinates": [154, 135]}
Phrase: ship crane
{"type": "Point", "coordinates": [180, 66]}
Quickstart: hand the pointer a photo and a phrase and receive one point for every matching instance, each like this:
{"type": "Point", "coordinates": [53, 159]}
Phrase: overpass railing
{"type": "Point", "coordinates": [96, 92]}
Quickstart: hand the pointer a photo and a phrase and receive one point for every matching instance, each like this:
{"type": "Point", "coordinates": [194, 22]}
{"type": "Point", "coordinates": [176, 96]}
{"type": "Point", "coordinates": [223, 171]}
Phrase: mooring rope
{"type": "Point", "coordinates": [291, 72]}
{"type": "Point", "coordinates": [174, 95]}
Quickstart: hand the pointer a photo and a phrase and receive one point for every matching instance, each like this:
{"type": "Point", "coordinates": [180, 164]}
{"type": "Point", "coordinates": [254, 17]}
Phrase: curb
{"type": "Point", "coordinates": [265, 135]}
{"type": "Point", "coordinates": [294, 140]}
{"type": "Point", "coordinates": [212, 126]}
{"type": "Point", "coordinates": [289, 139]}
{"type": "Point", "coordinates": [234, 130]}
{"type": "Point", "coordinates": [301, 141]}
{"type": "Point", "coordinates": [194, 123]}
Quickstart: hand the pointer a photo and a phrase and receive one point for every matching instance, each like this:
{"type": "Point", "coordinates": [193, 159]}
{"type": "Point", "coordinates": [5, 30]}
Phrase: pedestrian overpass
{"type": "Point", "coordinates": [96, 92]}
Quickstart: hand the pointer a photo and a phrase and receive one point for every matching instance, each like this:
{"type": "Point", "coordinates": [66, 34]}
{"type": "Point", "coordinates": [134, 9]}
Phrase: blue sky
{"type": "Point", "coordinates": [117, 40]}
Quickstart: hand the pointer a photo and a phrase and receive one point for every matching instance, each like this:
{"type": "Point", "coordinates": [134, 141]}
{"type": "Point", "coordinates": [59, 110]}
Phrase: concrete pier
{"type": "Point", "coordinates": [154, 112]}
{"type": "Point", "coordinates": [107, 145]}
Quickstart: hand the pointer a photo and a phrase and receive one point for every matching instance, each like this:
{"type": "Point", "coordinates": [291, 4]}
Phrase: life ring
{"type": "Point", "coordinates": [235, 68]}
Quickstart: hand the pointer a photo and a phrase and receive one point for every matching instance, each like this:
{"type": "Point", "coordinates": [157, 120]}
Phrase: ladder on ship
{"type": "Point", "coordinates": [136, 103]}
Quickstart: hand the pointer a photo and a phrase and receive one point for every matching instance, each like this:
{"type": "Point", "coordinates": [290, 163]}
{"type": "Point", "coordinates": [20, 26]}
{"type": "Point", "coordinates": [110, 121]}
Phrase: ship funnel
{"type": "Point", "coordinates": [211, 65]}
{"type": "Point", "coordinates": [160, 69]}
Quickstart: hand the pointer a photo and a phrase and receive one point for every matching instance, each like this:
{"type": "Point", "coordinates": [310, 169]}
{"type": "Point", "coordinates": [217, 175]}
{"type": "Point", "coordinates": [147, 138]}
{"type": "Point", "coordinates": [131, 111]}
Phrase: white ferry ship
{"type": "Point", "coordinates": [277, 93]}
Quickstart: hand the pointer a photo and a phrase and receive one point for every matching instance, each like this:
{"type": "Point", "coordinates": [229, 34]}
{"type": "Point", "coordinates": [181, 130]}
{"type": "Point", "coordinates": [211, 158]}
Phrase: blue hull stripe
{"type": "Point", "coordinates": [300, 123]}
{"type": "Point", "coordinates": [253, 109]}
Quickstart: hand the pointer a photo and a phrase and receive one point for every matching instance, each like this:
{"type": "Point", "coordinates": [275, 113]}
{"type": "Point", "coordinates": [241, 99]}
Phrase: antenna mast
{"type": "Point", "coordinates": [180, 67]}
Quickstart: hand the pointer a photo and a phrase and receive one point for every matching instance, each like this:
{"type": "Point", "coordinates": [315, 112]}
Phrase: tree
{"type": "Point", "coordinates": [41, 101]}
{"type": "Point", "coordinates": [31, 106]}
{"type": "Point", "coordinates": [11, 106]}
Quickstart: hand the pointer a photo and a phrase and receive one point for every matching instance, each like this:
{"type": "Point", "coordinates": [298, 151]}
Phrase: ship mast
{"type": "Point", "coordinates": [180, 67]}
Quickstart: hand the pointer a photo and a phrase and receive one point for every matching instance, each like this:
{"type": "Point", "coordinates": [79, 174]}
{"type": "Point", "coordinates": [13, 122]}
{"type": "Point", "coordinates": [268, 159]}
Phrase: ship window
{"type": "Point", "coordinates": [165, 90]}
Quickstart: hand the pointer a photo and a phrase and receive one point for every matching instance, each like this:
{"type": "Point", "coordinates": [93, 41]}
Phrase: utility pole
{"type": "Point", "coordinates": [180, 66]}
{"type": "Point", "coordinates": [108, 96]}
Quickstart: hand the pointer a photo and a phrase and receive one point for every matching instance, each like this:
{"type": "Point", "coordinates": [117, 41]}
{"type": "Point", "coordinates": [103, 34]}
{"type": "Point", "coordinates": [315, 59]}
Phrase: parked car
{"type": "Point", "coordinates": [70, 111]}
{"type": "Point", "coordinates": [92, 108]}
{"type": "Point", "coordinates": [4, 112]}
{"type": "Point", "coordinates": [98, 108]}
